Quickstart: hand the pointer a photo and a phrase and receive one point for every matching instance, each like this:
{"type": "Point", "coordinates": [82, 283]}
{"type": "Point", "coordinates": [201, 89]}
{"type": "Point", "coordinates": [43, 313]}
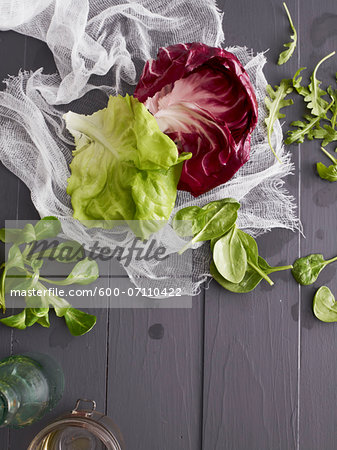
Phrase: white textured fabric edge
{"type": "Point", "coordinates": [108, 41]}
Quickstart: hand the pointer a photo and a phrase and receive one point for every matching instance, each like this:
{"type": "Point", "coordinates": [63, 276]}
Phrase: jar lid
{"type": "Point", "coordinates": [82, 429]}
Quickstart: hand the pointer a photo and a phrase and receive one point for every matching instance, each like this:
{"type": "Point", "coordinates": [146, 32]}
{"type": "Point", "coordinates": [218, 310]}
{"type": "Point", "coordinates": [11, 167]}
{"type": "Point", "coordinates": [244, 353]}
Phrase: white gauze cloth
{"type": "Point", "coordinates": [101, 46]}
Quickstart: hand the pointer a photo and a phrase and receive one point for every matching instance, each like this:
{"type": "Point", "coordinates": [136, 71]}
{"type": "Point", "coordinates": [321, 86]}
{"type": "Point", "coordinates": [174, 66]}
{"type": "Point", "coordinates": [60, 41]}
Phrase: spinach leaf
{"type": "Point", "coordinates": [307, 268]}
{"type": "Point", "coordinates": [249, 282]}
{"type": "Point", "coordinates": [184, 222]}
{"type": "Point", "coordinates": [214, 220]}
{"type": "Point", "coordinates": [286, 54]}
{"type": "Point", "coordinates": [324, 305]}
{"type": "Point", "coordinates": [230, 257]}
{"type": "Point", "coordinates": [274, 103]}
{"type": "Point", "coordinates": [251, 278]}
{"type": "Point", "coordinates": [250, 246]}
{"type": "Point", "coordinates": [327, 173]}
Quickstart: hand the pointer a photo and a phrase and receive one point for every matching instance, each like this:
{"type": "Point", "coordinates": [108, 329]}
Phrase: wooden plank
{"type": "Point", "coordinates": [83, 358]}
{"type": "Point", "coordinates": [250, 364]}
{"type": "Point", "coordinates": [319, 214]}
{"type": "Point", "coordinates": [155, 376]}
{"type": "Point", "coordinates": [10, 44]}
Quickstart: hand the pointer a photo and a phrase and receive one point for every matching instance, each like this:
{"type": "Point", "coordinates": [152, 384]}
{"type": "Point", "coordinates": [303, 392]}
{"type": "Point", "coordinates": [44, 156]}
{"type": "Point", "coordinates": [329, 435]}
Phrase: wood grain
{"type": "Point", "coordinates": [251, 340]}
{"type": "Point", "coordinates": [318, 384]}
{"type": "Point", "coordinates": [155, 376]}
{"type": "Point", "coordinates": [255, 371]}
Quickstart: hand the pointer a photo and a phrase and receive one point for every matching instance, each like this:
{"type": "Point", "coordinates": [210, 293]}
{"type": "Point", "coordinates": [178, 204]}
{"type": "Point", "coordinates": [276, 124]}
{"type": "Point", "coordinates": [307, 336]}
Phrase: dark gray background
{"type": "Point", "coordinates": [252, 372]}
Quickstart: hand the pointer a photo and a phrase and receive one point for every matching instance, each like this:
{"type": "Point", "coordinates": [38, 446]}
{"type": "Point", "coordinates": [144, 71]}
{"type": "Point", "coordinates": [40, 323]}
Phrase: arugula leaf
{"type": "Point", "coordinates": [274, 103]}
{"type": "Point", "coordinates": [304, 129]}
{"type": "Point", "coordinates": [327, 133]}
{"type": "Point", "coordinates": [333, 95]}
{"type": "Point", "coordinates": [297, 79]}
{"type": "Point", "coordinates": [286, 54]}
{"type": "Point", "coordinates": [328, 173]}
{"type": "Point", "coordinates": [313, 93]}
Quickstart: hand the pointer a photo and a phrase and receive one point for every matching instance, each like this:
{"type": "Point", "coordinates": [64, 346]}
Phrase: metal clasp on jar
{"type": "Point", "coordinates": [84, 412]}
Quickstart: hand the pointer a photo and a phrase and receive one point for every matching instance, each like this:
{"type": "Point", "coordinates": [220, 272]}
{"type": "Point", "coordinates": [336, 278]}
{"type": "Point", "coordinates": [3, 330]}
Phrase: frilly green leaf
{"type": "Point", "coordinates": [286, 54]}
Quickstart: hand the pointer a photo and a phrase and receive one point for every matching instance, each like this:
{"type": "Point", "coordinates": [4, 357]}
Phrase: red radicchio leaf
{"type": "Point", "coordinates": [203, 99]}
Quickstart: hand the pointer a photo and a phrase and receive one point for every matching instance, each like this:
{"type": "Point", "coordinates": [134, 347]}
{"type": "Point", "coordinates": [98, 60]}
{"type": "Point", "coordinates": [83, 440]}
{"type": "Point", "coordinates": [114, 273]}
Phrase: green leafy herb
{"type": "Point", "coordinates": [27, 267]}
{"type": "Point", "coordinates": [333, 95]}
{"type": "Point", "coordinates": [251, 278]}
{"type": "Point", "coordinates": [236, 263]}
{"type": "Point", "coordinates": [45, 228]}
{"type": "Point", "coordinates": [286, 54]}
{"type": "Point", "coordinates": [209, 222]}
{"type": "Point", "coordinates": [324, 305]}
{"type": "Point", "coordinates": [327, 133]}
{"type": "Point", "coordinates": [124, 167]}
{"type": "Point", "coordinates": [328, 173]}
{"type": "Point", "coordinates": [230, 257]}
{"type": "Point", "coordinates": [313, 93]}
{"type": "Point", "coordinates": [79, 322]}
{"type": "Point", "coordinates": [84, 272]}
{"type": "Point", "coordinates": [274, 103]}
{"type": "Point", "coordinates": [305, 129]}
{"type": "Point", "coordinates": [306, 269]}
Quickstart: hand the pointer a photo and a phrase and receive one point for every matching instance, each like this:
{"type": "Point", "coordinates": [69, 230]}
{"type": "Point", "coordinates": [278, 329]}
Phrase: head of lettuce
{"type": "Point", "coordinates": [124, 168]}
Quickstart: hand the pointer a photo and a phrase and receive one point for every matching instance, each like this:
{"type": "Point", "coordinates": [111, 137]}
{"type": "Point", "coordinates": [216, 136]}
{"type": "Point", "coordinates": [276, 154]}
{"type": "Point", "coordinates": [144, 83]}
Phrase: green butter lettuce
{"type": "Point", "coordinates": [124, 167]}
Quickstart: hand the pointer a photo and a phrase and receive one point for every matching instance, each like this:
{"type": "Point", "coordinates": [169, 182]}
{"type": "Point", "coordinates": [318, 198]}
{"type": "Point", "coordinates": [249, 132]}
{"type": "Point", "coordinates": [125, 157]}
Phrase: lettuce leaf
{"type": "Point", "coordinates": [124, 167]}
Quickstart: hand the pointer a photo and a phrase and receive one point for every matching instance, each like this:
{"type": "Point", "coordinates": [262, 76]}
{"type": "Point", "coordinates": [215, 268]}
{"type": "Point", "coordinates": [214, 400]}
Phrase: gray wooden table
{"type": "Point", "coordinates": [252, 372]}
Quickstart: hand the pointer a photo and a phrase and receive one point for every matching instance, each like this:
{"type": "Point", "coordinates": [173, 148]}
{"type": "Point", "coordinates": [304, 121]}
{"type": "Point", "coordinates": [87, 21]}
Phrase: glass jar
{"type": "Point", "coordinates": [30, 386]}
{"type": "Point", "coordinates": [84, 429]}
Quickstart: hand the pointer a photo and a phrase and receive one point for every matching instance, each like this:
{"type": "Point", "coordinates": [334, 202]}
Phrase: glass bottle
{"type": "Point", "coordinates": [30, 386]}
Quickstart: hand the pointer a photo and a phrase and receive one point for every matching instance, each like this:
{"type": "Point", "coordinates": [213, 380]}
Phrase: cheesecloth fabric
{"type": "Point", "coordinates": [99, 48]}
